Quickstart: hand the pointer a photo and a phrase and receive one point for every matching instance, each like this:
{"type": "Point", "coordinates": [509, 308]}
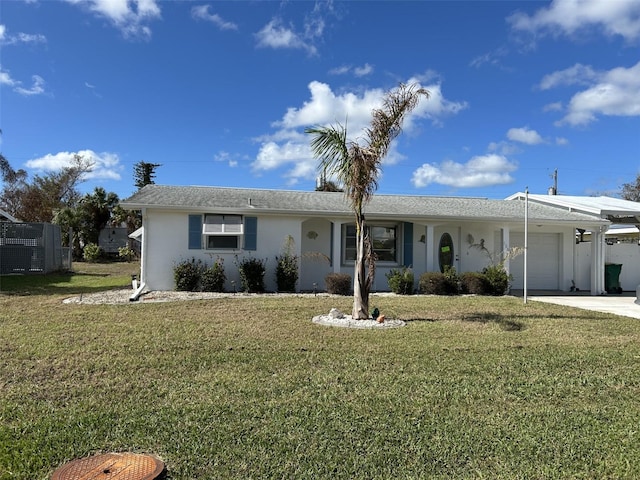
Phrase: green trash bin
{"type": "Point", "coordinates": [612, 277]}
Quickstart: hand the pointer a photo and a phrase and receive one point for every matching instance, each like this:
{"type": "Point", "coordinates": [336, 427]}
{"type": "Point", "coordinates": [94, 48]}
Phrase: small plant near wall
{"type": "Point", "coordinates": [252, 272]}
{"type": "Point", "coordinates": [496, 273]}
{"type": "Point", "coordinates": [126, 254]}
{"type": "Point", "coordinates": [213, 277]}
{"type": "Point", "coordinates": [91, 252]}
{"type": "Point", "coordinates": [287, 267]}
{"type": "Point", "coordinates": [339, 283]}
{"type": "Point", "coordinates": [187, 275]}
{"type": "Point", "coordinates": [401, 280]}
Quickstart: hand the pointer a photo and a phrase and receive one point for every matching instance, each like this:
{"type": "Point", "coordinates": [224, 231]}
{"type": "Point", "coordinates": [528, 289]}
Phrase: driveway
{"type": "Point", "coordinates": [623, 304]}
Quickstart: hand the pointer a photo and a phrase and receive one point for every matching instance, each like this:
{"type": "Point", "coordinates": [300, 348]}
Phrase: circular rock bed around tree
{"type": "Point", "coordinates": [336, 318]}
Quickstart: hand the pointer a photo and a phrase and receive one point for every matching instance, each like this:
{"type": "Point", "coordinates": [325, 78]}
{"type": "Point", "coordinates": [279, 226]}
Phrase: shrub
{"type": "Point", "coordinates": [126, 254]}
{"type": "Point", "coordinates": [91, 252]}
{"type": "Point", "coordinates": [498, 279]}
{"type": "Point", "coordinates": [187, 275]}
{"type": "Point", "coordinates": [437, 283]}
{"type": "Point", "coordinates": [475, 283]}
{"type": "Point", "coordinates": [401, 281]}
{"type": "Point", "coordinates": [213, 277]}
{"type": "Point", "coordinates": [252, 274]}
{"type": "Point", "coordinates": [338, 283]}
{"type": "Point", "coordinates": [287, 268]}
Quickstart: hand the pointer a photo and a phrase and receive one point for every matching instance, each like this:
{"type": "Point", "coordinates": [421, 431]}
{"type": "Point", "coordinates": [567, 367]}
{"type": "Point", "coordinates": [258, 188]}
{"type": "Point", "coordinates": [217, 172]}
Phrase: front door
{"type": "Point", "coordinates": [446, 252]}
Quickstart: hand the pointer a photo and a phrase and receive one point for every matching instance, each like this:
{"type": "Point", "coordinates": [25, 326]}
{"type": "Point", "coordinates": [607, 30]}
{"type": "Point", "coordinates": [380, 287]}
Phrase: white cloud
{"type": "Point", "coordinates": [288, 147]}
{"type": "Point", "coordinates": [37, 87]}
{"type": "Point", "coordinates": [553, 107]}
{"type": "Point", "coordinates": [562, 141]}
{"type": "Point", "coordinates": [362, 71]}
{"type": "Point", "coordinates": [493, 58]}
{"type": "Point", "coordinates": [105, 165]}
{"type": "Point", "coordinates": [612, 17]}
{"type": "Point", "coordinates": [613, 93]}
{"type": "Point", "coordinates": [479, 171]}
{"type": "Point", "coordinates": [524, 135]}
{"type": "Point", "coordinates": [5, 78]}
{"type": "Point", "coordinates": [201, 12]}
{"type": "Point", "coordinates": [129, 16]}
{"type": "Point", "coordinates": [20, 37]}
{"type": "Point", "coordinates": [576, 75]}
{"type": "Point", "coordinates": [275, 35]}
{"type": "Point", "coordinates": [225, 157]}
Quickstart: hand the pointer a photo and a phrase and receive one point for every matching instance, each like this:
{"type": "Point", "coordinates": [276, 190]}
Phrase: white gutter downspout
{"type": "Point", "coordinates": [143, 256]}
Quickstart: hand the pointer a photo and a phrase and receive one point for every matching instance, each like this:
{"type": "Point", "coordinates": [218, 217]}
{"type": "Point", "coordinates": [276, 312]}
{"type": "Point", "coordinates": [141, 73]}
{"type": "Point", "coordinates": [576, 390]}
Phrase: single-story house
{"type": "Point", "coordinates": [424, 232]}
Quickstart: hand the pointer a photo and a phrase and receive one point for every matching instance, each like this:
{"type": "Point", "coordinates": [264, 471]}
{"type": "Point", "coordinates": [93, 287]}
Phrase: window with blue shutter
{"type": "Point", "coordinates": [407, 236]}
{"type": "Point", "coordinates": [195, 232]}
{"type": "Point", "coordinates": [250, 233]}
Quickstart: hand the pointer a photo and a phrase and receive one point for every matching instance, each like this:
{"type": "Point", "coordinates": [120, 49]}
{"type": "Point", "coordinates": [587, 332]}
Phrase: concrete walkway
{"type": "Point", "coordinates": [623, 304]}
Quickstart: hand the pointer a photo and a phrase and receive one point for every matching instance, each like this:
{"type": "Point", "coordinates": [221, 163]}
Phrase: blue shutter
{"type": "Point", "coordinates": [331, 246]}
{"type": "Point", "coordinates": [407, 237]}
{"type": "Point", "coordinates": [195, 232]}
{"type": "Point", "coordinates": [250, 233]}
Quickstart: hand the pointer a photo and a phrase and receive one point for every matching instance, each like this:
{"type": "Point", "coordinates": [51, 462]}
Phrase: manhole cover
{"type": "Point", "coordinates": [113, 466]}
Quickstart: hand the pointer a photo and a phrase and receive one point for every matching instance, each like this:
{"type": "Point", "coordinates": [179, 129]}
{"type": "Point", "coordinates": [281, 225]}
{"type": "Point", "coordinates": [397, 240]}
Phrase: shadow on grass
{"type": "Point", "coordinates": [60, 283]}
{"type": "Point", "coordinates": [507, 324]}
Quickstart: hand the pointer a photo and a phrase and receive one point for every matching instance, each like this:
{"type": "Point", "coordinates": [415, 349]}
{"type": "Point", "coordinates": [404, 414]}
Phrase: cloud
{"type": "Point", "coordinates": [577, 75]}
{"type": "Point", "coordinates": [5, 78]}
{"type": "Point", "coordinates": [37, 87]}
{"type": "Point", "coordinates": [493, 58]}
{"type": "Point", "coordinates": [129, 16]}
{"type": "Point", "coordinates": [613, 93]}
{"type": "Point", "coordinates": [202, 13]}
{"type": "Point", "coordinates": [225, 157]}
{"type": "Point", "coordinates": [287, 147]}
{"type": "Point", "coordinates": [362, 71]}
{"type": "Point", "coordinates": [524, 135]}
{"type": "Point", "coordinates": [568, 17]}
{"type": "Point", "coordinates": [275, 35]}
{"type": "Point", "coordinates": [20, 38]}
{"type": "Point", "coordinates": [105, 165]}
{"type": "Point", "coordinates": [479, 171]}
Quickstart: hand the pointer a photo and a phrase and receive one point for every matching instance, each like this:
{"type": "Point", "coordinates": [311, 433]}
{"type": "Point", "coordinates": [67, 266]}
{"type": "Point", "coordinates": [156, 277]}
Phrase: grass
{"type": "Point", "coordinates": [249, 388]}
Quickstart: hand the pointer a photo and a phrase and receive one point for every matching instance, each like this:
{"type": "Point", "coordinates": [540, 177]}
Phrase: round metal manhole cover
{"type": "Point", "coordinates": [112, 466]}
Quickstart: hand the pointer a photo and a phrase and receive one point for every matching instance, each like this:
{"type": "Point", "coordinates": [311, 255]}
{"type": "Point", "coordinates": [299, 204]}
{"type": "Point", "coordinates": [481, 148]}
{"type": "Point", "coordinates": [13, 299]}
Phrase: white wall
{"type": "Point", "coordinates": [167, 244]}
{"type": "Point", "coordinates": [626, 254]}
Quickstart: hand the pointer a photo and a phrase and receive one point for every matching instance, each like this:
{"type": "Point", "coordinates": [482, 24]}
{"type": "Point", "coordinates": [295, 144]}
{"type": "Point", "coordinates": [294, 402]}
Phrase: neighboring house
{"type": "Point", "coordinates": [111, 239]}
{"type": "Point", "coordinates": [426, 233]}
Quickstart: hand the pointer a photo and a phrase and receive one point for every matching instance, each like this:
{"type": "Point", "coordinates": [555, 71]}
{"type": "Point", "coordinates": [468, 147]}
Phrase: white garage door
{"type": "Point", "coordinates": [543, 261]}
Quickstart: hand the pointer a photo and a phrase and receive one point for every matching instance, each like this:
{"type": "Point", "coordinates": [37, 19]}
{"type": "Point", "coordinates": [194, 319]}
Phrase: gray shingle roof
{"type": "Point", "coordinates": [244, 200]}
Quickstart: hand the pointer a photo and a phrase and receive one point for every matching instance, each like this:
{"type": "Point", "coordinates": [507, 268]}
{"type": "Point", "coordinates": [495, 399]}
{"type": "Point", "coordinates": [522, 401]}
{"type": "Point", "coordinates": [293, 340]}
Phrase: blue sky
{"type": "Point", "coordinates": [219, 93]}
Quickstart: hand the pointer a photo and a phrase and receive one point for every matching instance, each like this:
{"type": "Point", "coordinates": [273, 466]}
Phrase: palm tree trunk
{"type": "Point", "coordinates": [360, 284]}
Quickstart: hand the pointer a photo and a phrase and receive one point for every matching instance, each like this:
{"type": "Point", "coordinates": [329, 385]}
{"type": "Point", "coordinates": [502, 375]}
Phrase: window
{"type": "Point", "coordinates": [384, 239]}
{"type": "Point", "coordinates": [222, 225]}
{"type": "Point", "coordinates": [222, 232]}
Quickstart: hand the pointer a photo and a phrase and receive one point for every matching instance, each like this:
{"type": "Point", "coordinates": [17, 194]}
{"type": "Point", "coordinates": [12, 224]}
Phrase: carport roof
{"type": "Point", "coordinates": [288, 202]}
{"type": "Point", "coordinates": [615, 210]}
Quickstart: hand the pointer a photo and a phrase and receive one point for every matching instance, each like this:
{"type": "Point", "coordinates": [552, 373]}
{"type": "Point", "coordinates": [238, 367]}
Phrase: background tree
{"type": "Point", "coordinates": [631, 191]}
{"type": "Point", "coordinates": [144, 173]}
{"type": "Point", "coordinates": [357, 167]}
{"type": "Point", "coordinates": [38, 200]}
{"type": "Point", "coordinates": [96, 211]}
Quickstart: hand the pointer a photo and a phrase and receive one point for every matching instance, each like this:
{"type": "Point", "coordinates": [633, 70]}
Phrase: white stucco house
{"type": "Point", "coordinates": [424, 232]}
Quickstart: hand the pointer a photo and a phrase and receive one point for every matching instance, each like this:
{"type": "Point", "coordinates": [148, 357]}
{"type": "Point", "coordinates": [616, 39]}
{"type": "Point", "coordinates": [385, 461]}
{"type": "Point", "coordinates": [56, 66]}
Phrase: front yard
{"type": "Point", "coordinates": [472, 387]}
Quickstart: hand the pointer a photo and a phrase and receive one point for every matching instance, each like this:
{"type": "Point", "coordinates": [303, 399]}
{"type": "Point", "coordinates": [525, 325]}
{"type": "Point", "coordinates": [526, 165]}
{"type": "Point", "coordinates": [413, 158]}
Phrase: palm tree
{"type": "Point", "coordinates": [357, 167]}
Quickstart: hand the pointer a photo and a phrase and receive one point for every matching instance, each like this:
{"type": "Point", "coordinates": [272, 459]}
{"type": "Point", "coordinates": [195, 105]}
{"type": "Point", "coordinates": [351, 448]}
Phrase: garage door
{"type": "Point", "coordinates": [543, 261]}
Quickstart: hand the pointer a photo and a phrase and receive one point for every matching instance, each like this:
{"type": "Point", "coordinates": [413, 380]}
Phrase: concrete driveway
{"type": "Point", "coordinates": [623, 304]}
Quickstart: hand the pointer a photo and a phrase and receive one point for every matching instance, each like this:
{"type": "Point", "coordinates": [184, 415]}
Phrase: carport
{"type": "Point", "coordinates": [614, 210]}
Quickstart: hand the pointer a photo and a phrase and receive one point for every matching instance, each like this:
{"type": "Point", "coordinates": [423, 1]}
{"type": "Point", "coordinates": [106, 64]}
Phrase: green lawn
{"type": "Point", "coordinates": [250, 388]}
